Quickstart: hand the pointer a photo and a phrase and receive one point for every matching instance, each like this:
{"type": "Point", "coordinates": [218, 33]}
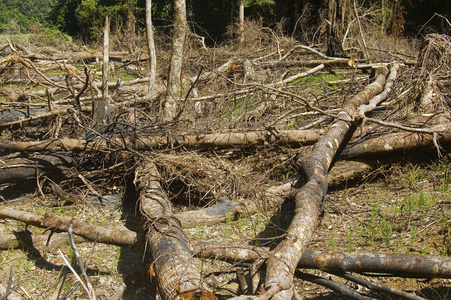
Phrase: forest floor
{"type": "Point", "coordinates": [403, 206]}
{"type": "Point", "coordinates": [400, 209]}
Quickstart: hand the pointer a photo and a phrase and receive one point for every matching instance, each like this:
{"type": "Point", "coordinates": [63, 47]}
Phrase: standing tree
{"type": "Point", "coordinates": [241, 21]}
{"type": "Point", "coordinates": [337, 15]}
{"type": "Point", "coordinates": [174, 88]}
{"type": "Point", "coordinates": [151, 45]}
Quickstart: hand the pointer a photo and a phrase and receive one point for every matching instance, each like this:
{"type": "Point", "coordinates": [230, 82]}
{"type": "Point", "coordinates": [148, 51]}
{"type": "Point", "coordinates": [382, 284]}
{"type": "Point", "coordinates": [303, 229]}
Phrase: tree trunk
{"type": "Point", "coordinates": [241, 21]}
{"type": "Point", "coordinates": [151, 45]}
{"type": "Point", "coordinates": [174, 90]}
{"type": "Point", "coordinates": [336, 15]}
{"type": "Point", "coordinates": [101, 106]}
{"type": "Point", "coordinates": [310, 191]}
{"type": "Point", "coordinates": [172, 261]}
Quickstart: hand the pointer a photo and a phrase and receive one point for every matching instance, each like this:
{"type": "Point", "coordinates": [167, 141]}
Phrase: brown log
{"type": "Point", "coordinates": [172, 261]}
{"type": "Point", "coordinates": [310, 192]}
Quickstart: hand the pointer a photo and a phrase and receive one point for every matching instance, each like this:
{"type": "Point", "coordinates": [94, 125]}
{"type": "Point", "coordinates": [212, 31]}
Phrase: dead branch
{"type": "Point", "coordinates": [204, 141]}
{"type": "Point", "coordinates": [381, 288]}
{"type": "Point", "coordinates": [401, 265]}
{"type": "Point", "coordinates": [371, 264]}
{"type": "Point", "coordinates": [120, 237]}
{"type": "Point", "coordinates": [400, 141]}
{"type": "Point", "coordinates": [334, 286]}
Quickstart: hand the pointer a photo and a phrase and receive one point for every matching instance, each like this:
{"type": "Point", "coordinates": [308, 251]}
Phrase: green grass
{"type": "Point", "coordinates": [319, 78]}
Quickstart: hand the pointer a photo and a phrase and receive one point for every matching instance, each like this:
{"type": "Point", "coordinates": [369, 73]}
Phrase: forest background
{"type": "Point", "coordinates": [83, 19]}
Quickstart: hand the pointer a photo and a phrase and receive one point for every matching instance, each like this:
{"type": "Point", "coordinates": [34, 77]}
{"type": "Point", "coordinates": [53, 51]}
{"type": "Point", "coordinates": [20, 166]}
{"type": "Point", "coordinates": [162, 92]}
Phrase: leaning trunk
{"type": "Point", "coordinates": [310, 190]}
{"type": "Point", "coordinates": [151, 45]}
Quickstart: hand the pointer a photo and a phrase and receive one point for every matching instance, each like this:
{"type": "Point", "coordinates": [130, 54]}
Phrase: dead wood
{"type": "Point", "coordinates": [371, 264]}
{"type": "Point", "coordinates": [28, 239]}
{"type": "Point", "coordinates": [333, 285]}
{"type": "Point", "coordinates": [90, 232]}
{"type": "Point", "coordinates": [381, 288]}
{"type": "Point", "coordinates": [215, 214]}
{"type": "Point", "coordinates": [400, 141]}
{"type": "Point", "coordinates": [310, 192]}
{"type": "Point", "coordinates": [18, 169]}
{"type": "Point", "coordinates": [204, 141]}
{"type": "Point", "coordinates": [401, 265]}
{"type": "Point", "coordinates": [172, 262]}
{"type": "Point", "coordinates": [328, 63]}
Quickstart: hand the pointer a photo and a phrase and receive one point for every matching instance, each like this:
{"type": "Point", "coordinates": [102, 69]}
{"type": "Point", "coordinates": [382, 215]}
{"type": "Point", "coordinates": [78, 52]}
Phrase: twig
{"type": "Point", "coordinates": [75, 274]}
{"type": "Point", "coordinates": [334, 286]}
{"type": "Point", "coordinates": [89, 186]}
{"type": "Point", "coordinates": [8, 287]}
{"type": "Point", "coordinates": [91, 293]}
{"type": "Point", "coordinates": [401, 126]}
{"type": "Point", "coordinates": [380, 288]}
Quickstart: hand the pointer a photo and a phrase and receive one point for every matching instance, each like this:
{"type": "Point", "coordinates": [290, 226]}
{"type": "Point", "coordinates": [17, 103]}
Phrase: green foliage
{"type": "Point", "coordinates": [16, 16]}
{"type": "Point", "coordinates": [85, 18]}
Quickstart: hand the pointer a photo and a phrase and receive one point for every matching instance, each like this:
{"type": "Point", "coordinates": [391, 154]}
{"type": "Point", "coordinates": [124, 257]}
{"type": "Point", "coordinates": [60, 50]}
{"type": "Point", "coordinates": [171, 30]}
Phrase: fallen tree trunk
{"type": "Point", "coordinates": [390, 142]}
{"type": "Point", "coordinates": [50, 221]}
{"type": "Point", "coordinates": [400, 141]}
{"type": "Point", "coordinates": [400, 265]}
{"type": "Point", "coordinates": [19, 169]}
{"type": "Point", "coordinates": [172, 261]}
{"type": "Point", "coordinates": [310, 191]}
{"type": "Point", "coordinates": [204, 141]}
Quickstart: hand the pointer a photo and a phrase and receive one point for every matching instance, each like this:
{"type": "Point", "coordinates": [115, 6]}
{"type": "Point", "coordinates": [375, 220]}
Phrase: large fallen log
{"type": "Point", "coordinates": [172, 261]}
{"type": "Point", "coordinates": [203, 141]}
{"type": "Point", "coordinates": [310, 191]}
{"type": "Point", "coordinates": [390, 142]}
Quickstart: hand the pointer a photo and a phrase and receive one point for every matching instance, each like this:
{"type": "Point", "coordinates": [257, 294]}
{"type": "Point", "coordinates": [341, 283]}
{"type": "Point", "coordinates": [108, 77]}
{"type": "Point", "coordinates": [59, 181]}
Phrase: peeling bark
{"type": "Point", "coordinates": [172, 261]}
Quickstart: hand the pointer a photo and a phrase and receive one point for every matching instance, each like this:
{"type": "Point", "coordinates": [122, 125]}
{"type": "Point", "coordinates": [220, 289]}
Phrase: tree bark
{"type": "Point", "coordinates": [151, 46]}
{"type": "Point", "coordinates": [241, 21]}
{"type": "Point", "coordinates": [310, 191]}
{"type": "Point", "coordinates": [338, 10]}
{"type": "Point", "coordinates": [101, 106]}
{"type": "Point", "coordinates": [174, 90]}
{"type": "Point", "coordinates": [172, 261]}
